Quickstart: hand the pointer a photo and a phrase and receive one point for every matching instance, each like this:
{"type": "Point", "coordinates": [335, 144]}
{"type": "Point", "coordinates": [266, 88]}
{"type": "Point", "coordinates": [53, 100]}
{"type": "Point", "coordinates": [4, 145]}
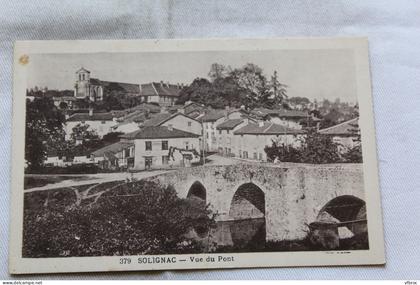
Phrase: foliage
{"type": "Point", "coordinates": [314, 148]}
{"type": "Point", "coordinates": [44, 130]}
{"type": "Point", "coordinates": [128, 219]}
{"type": "Point", "coordinates": [246, 86]}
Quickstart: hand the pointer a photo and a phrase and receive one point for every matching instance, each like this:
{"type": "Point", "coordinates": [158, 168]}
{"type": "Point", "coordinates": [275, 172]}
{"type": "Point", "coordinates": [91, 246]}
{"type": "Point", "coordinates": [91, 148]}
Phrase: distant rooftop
{"type": "Point", "coordinates": [87, 117]}
{"type": "Point", "coordinates": [112, 148]}
{"type": "Point", "coordinates": [346, 128]}
{"type": "Point", "coordinates": [229, 124]}
{"type": "Point", "coordinates": [267, 128]}
{"type": "Point", "coordinates": [159, 132]}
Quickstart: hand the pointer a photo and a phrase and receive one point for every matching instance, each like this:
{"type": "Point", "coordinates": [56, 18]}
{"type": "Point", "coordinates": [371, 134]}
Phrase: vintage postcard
{"type": "Point", "coordinates": [193, 154]}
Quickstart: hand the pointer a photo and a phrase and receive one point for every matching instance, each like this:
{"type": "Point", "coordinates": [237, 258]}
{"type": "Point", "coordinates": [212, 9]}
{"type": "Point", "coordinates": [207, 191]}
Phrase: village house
{"type": "Point", "coordinates": [293, 119]}
{"type": "Point", "coordinates": [163, 147]}
{"type": "Point", "coordinates": [250, 140]}
{"type": "Point", "coordinates": [346, 134]}
{"type": "Point", "coordinates": [116, 156]}
{"type": "Point", "coordinates": [164, 94]}
{"type": "Point", "coordinates": [211, 119]}
{"type": "Point", "coordinates": [178, 121]}
{"type": "Point", "coordinates": [101, 123]}
{"type": "Point", "coordinates": [225, 134]}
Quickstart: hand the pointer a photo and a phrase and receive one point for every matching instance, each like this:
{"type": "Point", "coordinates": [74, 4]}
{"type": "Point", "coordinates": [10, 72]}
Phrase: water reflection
{"type": "Point", "coordinates": [248, 233]}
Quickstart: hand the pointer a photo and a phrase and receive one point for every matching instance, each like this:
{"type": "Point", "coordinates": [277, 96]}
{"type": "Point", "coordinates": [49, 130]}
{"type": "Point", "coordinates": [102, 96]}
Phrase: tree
{"type": "Point", "coordinates": [218, 71]}
{"type": "Point", "coordinates": [129, 218]}
{"type": "Point", "coordinates": [278, 90]}
{"type": "Point", "coordinates": [44, 130]}
{"type": "Point", "coordinates": [314, 148]}
{"type": "Point", "coordinates": [63, 106]}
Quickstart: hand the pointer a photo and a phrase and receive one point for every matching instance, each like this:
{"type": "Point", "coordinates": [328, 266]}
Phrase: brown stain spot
{"type": "Point", "coordinates": [24, 59]}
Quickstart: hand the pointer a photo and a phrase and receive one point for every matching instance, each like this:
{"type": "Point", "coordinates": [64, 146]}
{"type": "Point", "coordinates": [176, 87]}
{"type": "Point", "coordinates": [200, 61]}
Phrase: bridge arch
{"type": "Point", "coordinates": [248, 202]}
{"type": "Point", "coordinates": [198, 191]}
{"type": "Point", "coordinates": [346, 208]}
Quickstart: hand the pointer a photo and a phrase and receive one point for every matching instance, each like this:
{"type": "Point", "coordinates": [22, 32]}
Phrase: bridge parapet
{"type": "Point", "coordinates": [294, 194]}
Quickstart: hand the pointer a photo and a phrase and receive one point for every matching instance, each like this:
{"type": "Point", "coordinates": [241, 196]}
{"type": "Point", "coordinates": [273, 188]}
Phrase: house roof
{"type": "Point", "coordinates": [346, 128]}
{"type": "Point", "coordinates": [86, 117]}
{"type": "Point", "coordinates": [280, 113]}
{"type": "Point", "coordinates": [160, 89]}
{"type": "Point", "coordinates": [229, 124]}
{"type": "Point", "coordinates": [157, 119]}
{"type": "Point", "coordinates": [159, 132]}
{"type": "Point", "coordinates": [112, 148]}
{"type": "Point", "coordinates": [267, 128]}
{"type": "Point", "coordinates": [213, 115]}
{"type": "Point", "coordinates": [64, 98]}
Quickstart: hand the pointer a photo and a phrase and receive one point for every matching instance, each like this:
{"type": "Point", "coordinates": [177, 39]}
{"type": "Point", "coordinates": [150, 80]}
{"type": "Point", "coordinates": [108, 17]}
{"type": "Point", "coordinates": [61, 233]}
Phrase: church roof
{"type": "Point", "coordinates": [82, 70]}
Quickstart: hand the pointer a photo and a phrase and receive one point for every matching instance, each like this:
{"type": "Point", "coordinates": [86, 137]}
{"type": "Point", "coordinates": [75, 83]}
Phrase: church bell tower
{"type": "Point", "coordinates": [81, 87]}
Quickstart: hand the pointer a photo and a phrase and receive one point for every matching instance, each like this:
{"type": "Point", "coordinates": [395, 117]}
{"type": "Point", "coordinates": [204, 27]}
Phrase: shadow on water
{"type": "Point", "coordinates": [249, 234]}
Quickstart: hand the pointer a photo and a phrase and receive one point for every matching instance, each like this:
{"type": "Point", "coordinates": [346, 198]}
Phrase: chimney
{"type": "Point", "coordinates": [181, 110]}
{"type": "Point", "coordinates": [167, 84]}
{"type": "Point", "coordinates": [90, 112]}
{"type": "Point", "coordinates": [261, 124]}
{"type": "Point", "coordinates": [161, 83]}
{"type": "Point", "coordinates": [170, 127]}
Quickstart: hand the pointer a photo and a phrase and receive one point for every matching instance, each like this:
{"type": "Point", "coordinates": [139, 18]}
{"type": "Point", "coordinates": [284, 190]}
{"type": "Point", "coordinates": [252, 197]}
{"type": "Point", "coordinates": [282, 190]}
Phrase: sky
{"type": "Point", "coordinates": [315, 74]}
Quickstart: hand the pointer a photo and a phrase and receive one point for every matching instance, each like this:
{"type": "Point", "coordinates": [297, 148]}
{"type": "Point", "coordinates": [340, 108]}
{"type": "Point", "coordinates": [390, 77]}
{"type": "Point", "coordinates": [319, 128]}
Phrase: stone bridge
{"type": "Point", "coordinates": [289, 197]}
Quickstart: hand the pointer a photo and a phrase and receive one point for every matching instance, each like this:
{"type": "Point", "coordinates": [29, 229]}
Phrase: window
{"type": "Point", "coordinates": [220, 132]}
{"type": "Point", "coordinates": [148, 145]}
{"type": "Point", "coordinates": [227, 131]}
{"type": "Point", "coordinates": [189, 124]}
{"type": "Point", "coordinates": [260, 156]}
{"type": "Point", "coordinates": [245, 155]}
{"type": "Point", "coordinates": [186, 145]}
{"type": "Point", "coordinates": [165, 159]}
{"type": "Point", "coordinates": [164, 145]}
{"type": "Point", "coordinates": [255, 155]}
{"type": "Point", "coordinates": [103, 122]}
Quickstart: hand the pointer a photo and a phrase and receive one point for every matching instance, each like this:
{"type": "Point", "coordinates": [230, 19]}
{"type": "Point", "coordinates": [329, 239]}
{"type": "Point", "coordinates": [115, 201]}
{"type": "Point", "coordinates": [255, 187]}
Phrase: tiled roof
{"type": "Point", "coordinates": [266, 129]}
{"type": "Point", "coordinates": [121, 86]}
{"type": "Point", "coordinates": [213, 115]}
{"type": "Point", "coordinates": [161, 89]}
{"type": "Point", "coordinates": [86, 117]}
{"type": "Point", "coordinates": [229, 124]}
{"type": "Point", "coordinates": [157, 119]}
{"type": "Point", "coordinates": [159, 132]}
{"type": "Point", "coordinates": [346, 128]}
{"type": "Point", "coordinates": [112, 148]}
{"type": "Point", "coordinates": [64, 98]}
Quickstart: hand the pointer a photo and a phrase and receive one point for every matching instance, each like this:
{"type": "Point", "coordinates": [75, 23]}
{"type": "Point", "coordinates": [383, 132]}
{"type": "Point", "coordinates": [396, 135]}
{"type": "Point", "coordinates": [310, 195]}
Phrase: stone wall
{"type": "Point", "coordinates": [294, 193]}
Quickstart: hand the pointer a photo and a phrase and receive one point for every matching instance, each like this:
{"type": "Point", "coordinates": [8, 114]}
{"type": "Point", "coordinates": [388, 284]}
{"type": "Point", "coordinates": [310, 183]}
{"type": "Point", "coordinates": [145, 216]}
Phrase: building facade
{"type": "Point", "coordinates": [163, 147]}
{"type": "Point", "coordinates": [101, 123]}
{"type": "Point", "coordinates": [250, 141]}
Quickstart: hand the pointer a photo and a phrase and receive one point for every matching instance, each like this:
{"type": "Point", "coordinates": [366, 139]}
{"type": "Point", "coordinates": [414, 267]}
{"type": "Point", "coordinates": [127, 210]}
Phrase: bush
{"type": "Point", "coordinates": [134, 218]}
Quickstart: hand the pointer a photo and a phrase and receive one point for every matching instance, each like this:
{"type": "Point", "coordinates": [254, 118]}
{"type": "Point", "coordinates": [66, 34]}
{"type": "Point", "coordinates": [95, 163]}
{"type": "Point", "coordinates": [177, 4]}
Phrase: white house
{"type": "Point", "coordinates": [250, 140]}
{"type": "Point", "coordinates": [119, 155]}
{"type": "Point", "coordinates": [178, 121]}
{"type": "Point", "coordinates": [346, 134]}
{"type": "Point", "coordinates": [225, 135]}
{"type": "Point", "coordinates": [160, 146]}
{"type": "Point", "coordinates": [101, 123]}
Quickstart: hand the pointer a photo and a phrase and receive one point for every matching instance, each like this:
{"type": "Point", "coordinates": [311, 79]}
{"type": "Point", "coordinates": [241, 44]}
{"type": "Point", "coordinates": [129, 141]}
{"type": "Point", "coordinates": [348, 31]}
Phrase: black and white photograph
{"type": "Point", "coordinates": [182, 157]}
